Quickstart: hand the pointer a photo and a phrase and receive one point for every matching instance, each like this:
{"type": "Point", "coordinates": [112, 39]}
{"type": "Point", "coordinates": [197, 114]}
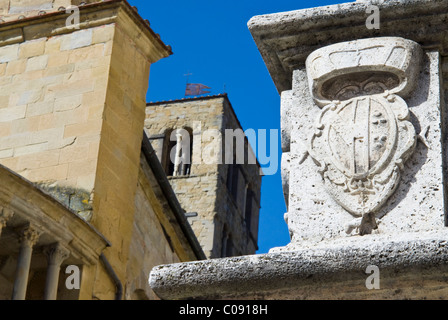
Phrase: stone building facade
{"type": "Point", "coordinates": [80, 183]}
{"type": "Point", "coordinates": [221, 197]}
{"type": "Point", "coordinates": [364, 141]}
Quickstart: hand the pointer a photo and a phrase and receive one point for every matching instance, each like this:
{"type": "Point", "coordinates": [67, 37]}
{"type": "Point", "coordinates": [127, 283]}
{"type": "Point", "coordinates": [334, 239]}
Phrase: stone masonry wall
{"type": "Point", "coordinates": [150, 245]}
{"type": "Point", "coordinates": [244, 237]}
{"type": "Point", "coordinates": [119, 152]}
{"type": "Point", "coordinates": [51, 91]}
{"type": "Point", "coordinates": [13, 9]}
{"type": "Point", "coordinates": [72, 109]}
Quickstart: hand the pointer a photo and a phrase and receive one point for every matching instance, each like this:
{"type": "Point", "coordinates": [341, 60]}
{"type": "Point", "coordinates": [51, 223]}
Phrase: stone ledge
{"type": "Point", "coordinates": [286, 39]}
{"type": "Point", "coordinates": [410, 269]}
{"type": "Point", "coordinates": [91, 15]}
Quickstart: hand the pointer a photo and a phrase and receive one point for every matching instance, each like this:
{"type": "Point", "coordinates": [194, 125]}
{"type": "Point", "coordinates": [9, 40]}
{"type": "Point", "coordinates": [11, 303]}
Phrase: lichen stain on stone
{"type": "Point", "coordinates": [78, 200]}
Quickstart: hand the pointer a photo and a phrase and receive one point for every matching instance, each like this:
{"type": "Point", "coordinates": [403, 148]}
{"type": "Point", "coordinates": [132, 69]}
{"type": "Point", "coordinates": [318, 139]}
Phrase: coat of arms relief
{"type": "Point", "coordinates": [363, 136]}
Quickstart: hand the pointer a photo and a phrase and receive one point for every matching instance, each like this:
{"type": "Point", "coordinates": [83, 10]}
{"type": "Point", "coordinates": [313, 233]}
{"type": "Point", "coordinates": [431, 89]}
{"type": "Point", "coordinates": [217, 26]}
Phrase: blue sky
{"type": "Point", "coordinates": [210, 40]}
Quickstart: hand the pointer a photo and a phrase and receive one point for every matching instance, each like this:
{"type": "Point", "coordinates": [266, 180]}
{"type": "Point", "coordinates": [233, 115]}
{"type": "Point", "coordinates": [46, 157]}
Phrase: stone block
{"type": "Point", "coordinates": [51, 173]}
{"type": "Point", "coordinates": [93, 63]}
{"type": "Point", "coordinates": [53, 44]}
{"type": "Point", "coordinates": [58, 69]}
{"type": "Point", "coordinates": [26, 97]}
{"type": "Point", "coordinates": [81, 168]}
{"type": "Point", "coordinates": [6, 153]}
{"type": "Point", "coordinates": [103, 34]}
{"type": "Point", "coordinates": [12, 141]}
{"type": "Point", "coordinates": [52, 136]}
{"type": "Point", "coordinates": [4, 101]}
{"type": "Point", "coordinates": [19, 79]}
{"type": "Point", "coordinates": [37, 63]}
{"type": "Point", "coordinates": [23, 6]}
{"type": "Point", "coordinates": [56, 59]}
{"type": "Point", "coordinates": [70, 89]}
{"type": "Point", "coordinates": [9, 53]}
{"type": "Point", "coordinates": [3, 68]}
{"type": "Point", "coordinates": [38, 160]}
{"type": "Point", "coordinates": [12, 113]}
{"type": "Point", "coordinates": [86, 53]}
{"type": "Point", "coordinates": [16, 67]}
{"type": "Point", "coordinates": [78, 39]}
{"type": "Point", "coordinates": [28, 124]}
{"type": "Point", "coordinates": [88, 128]}
{"type": "Point", "coordinates": [5, 129]}
{"type": "Point", "coordinates": [39, 108]}
{"type": "Point", "coordinates": [76, 152]}
{"type": "Point", "coordinates": [30, 149]}
{"type": "Point", "coordinates": [32, 48]}
{"type": "Point", "coordinates": [67, 103]}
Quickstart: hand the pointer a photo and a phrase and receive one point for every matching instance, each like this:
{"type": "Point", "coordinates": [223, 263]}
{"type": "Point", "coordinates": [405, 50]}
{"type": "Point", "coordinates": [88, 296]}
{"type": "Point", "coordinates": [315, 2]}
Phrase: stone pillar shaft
{"type": "Point", "coordinates": [56, 254]}
{"type": "Point", "coordinates": [178, 160]}
{"type": "Point", "coordinates": [28, 239]}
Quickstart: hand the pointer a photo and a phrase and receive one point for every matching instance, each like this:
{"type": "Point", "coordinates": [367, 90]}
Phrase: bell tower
{"type": "Point", "coordinates": [219, 192]}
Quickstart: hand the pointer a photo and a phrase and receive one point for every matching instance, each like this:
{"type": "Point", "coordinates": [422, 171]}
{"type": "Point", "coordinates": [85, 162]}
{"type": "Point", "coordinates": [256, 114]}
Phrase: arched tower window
{"type": "Point", "coordinates": [168, 145]}
{"type": "Point", "coordinates": [248, 209]}
{"type": "Point", "coordinates": [178, 151]}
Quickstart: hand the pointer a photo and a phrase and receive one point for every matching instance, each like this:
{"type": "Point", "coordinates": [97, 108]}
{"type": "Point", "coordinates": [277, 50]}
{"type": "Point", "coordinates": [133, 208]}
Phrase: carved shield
{"type": "Point", "coordinates": [360, 145]}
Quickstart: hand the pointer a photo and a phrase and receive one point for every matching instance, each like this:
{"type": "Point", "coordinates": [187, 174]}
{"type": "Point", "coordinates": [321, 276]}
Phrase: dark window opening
{"type": "Point", "coordinates": [177, 162]}
{"type": "Point", "coordinates": [232, 180]}
{"type": "Point", "coordinates": [248, 209]}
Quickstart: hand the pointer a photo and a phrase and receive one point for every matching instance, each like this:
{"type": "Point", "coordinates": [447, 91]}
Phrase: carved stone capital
{"type": "Point", "coordinates": [56, 254]}
{"type": "Point", "coordinates": [5, 215]}
{"type": "Point", "coordinates": [29, 236]}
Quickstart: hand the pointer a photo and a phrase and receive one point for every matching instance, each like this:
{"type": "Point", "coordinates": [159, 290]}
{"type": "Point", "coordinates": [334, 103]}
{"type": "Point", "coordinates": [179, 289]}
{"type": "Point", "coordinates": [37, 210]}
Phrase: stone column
{"type": "Point", "coordinates": [56, 254]}
{"type": "Point", "coordinates": [178, 160]}
{"type": "Point", "coordinates": [5, 215]}
{"type": "Point", "coordinates": [28, 238]}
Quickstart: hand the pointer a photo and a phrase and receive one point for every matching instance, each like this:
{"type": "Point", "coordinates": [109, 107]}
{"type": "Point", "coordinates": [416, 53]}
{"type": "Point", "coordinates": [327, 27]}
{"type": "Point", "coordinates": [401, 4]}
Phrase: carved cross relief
{"type": "Point", "coordinates": [363, 135]}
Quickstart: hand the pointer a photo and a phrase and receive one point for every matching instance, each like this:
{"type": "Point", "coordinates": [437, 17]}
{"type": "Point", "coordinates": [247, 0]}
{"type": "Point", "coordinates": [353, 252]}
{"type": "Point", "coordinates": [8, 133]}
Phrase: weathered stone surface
{"type": "Point", "coordinates": [308, 53]}
{"type": "Point", "coordinates": [154, 237]}
{"type": "Point", "coordinates": [416, 205]}
{"type": "Point", "coordinates": [407, 271]}
{"type": "Point", "coordinates": [14, 9]}
{"type": "Point", "coordinates": [363, 136]}
{"type": "Point", "coordinates": [36, 98]}
{"type": "Point", "coordinates": [286, 39]}
{"type": "Point", "coordinates": [363, 67]}
{"type": "Point", "coordinates": [77, 200]}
